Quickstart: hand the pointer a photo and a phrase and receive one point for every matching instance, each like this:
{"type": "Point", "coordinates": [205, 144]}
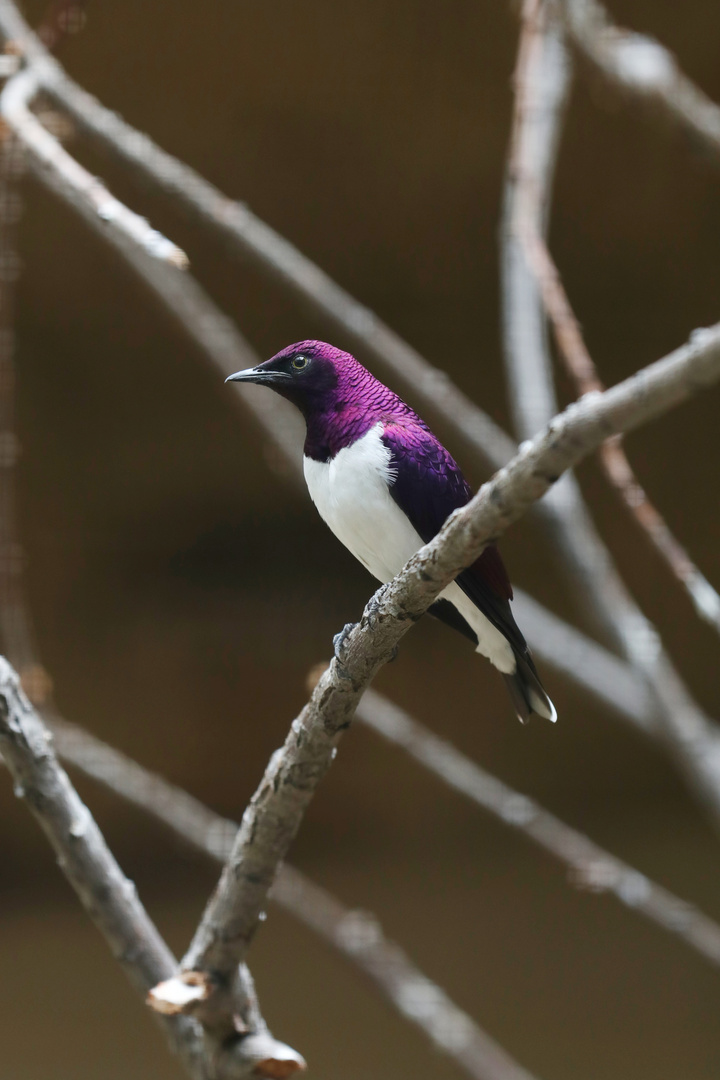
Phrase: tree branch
{"type": "Point", "coordinates": [642, 68]}
{"type": "Point", "coordinates": [687, 730]}
{"type": "Point", "coordinates": [46, 154]}
{"type": "Point", "coordinates": [589, 866]}
{"type": "Point", "coordinates": [542, 83]}
{"type": "Point", "coordinates": [613, 459]}
{"type": "Point", "coordinates": [273, 816]}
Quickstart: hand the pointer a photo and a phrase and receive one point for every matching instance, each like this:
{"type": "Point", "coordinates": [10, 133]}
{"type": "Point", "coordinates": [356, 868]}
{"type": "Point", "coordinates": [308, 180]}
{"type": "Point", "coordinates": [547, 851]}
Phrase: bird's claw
{"type": "Point", "coordinates": [340, 639]}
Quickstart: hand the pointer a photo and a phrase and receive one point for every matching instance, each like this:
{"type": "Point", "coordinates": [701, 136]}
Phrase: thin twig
{"type": "Point", "coordinates": [273, 816]}
{"type": "Point", "coordinates": [542, 82]}
{"type": "Point", "coordinates": [687, 730]}
{"type": "Point", "coordinates": [45, 153]}
{"type": "Point", "coordinates": [642, 68]}
{"type": "Point", "coordinates": [613, 459]}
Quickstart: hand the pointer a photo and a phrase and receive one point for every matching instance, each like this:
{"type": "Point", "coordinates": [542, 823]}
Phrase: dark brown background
{"type": "Point", "coordinates": [181, 590]}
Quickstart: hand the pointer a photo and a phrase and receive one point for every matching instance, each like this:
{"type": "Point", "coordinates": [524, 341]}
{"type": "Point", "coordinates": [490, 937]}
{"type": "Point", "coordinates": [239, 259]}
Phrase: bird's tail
{"type": "Point", "coordinates": [527, 691]}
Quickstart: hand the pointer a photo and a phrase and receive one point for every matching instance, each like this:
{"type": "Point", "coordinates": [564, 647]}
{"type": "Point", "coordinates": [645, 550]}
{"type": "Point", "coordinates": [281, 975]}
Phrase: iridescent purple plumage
{"type": "Point", "coordinates": [339, 398]}
{"type": "Point", "coordinates": [396, 459]}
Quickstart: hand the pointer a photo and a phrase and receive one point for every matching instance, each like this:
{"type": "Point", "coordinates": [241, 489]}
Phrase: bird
{"type": "Point", "coordinates": [385, 485]}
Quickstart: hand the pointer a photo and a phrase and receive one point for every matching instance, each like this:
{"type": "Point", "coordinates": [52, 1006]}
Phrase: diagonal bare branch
{"type": "Point", "coordinates": [613, 459]}
{"type": "Point", "coordinates": [45, 153]}
{"type": "Point", "coordinates": [687, 730]}
{"type": "Point", "coordinates": [589, 866]}
{"type": "Point", "coordinates": [273, 816]}
{"type": "Point", "coordinates": [642, 68]}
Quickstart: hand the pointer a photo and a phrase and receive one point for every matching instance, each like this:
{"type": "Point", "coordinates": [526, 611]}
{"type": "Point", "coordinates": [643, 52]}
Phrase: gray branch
{"type": "Point", "coordinates": [273, 816]}
{"type": "Point", "coordinates": [47, 153]}
{"type": "Point", "coordinates": [542, 83]}
{"type": "Point", "coordinates": [641, 68]}
{"type": "Point", "coordinates": [538, 114]}
{"type": "Point", "coordinates": [589, 867]}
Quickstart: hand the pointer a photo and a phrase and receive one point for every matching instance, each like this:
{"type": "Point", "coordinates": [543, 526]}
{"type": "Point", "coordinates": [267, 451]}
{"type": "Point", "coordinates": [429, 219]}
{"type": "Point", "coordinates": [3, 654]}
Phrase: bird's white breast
{"type": "Point", "coordinates": [352, 495]}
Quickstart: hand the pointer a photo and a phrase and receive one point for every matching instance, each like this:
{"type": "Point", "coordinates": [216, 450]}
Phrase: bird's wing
{"type": "Point", "coordinates": [428, 485]}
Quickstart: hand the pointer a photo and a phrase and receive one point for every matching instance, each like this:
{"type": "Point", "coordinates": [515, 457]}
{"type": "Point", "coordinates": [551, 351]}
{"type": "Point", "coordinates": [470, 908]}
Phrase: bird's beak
{"type": "Point", "coordinates": [261, 375]}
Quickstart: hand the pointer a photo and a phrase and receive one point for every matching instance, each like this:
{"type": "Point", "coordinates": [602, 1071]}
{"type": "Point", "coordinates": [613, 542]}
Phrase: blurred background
{"type": "Point", "coordinates": [182, 587]}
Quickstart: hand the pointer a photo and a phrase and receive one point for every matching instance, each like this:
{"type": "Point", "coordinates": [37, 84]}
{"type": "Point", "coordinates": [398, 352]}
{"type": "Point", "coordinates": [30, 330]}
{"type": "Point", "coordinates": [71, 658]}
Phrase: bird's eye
{"type": "Point", "coordinates": [300, 362]}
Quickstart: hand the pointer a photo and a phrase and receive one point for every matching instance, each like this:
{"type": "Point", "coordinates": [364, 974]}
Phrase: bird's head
{"type": "Point", "coordinates": [315, 376]}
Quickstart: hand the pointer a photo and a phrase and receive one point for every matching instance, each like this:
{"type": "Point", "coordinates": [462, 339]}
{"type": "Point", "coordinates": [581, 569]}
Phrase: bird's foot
{"type": "Point", "coordinates": [340, 639]}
